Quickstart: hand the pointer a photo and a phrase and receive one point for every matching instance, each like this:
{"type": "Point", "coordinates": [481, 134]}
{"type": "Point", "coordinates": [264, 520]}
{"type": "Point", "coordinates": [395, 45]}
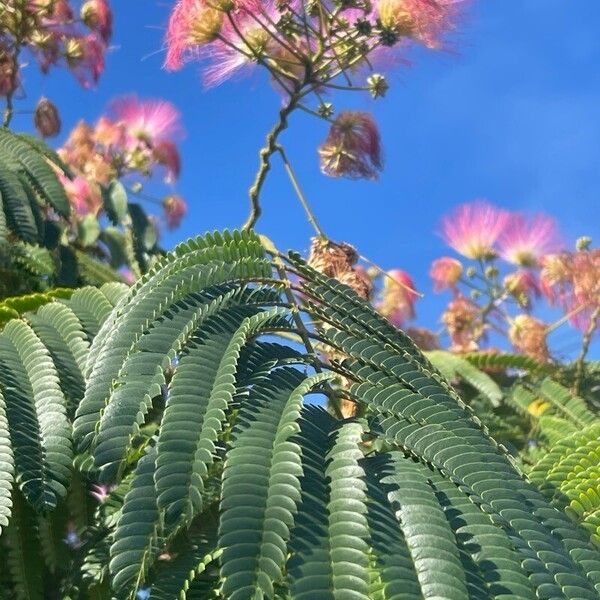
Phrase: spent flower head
{"type": "Point", "coordinates": [353, 147]}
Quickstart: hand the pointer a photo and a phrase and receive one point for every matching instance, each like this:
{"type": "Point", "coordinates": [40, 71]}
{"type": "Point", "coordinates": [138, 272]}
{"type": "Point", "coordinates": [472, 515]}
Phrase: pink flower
{"type": "Point", "coordinates": [150, 120]}
{"type": "Point", "coordinates": [175, 208]}
{"type": "Point", "coordinates": [472, 229]}
{"type": "Point", "coordinates": [166, 154]}
{"type": "Point", "coordinates": [556, 276]}
{"type": "Point", "coordinates": [399, 296]}
{"type": "Point", "coordinates": [445, 273]}
{"type": "Point", "coordinates": [525, 240]}
{"type": "Point", "coordinates": [228, 40]}
{"type": "Point", "coordinates": [97, 15]}
{"type": "Point", "coordinates": [522, 285]}
{"type": "Point", "coordinates": [192, 24]}
{"type": "Point", "coordinates": [82, 196]}
{"type": "Point", "coordinates": [87, 63]}
{"type": "Point", "coordinates": [128, 275]}
{"type": "Point", "coordinates": [353, 147]}
{"type": "Point", "coordinates": [425, 21]}
{"type": "Point", "coordinates": [102, 492]}
{"type": "Point", "coordinates": [108, 133]}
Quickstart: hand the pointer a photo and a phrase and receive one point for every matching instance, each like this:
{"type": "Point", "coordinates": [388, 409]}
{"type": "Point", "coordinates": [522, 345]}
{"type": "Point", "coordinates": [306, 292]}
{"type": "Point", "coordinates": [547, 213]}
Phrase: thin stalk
{"type": "Point", "coordinates": [565, 318]}
{"type": "Point", "coordinates": [307, 209]}
{"type": "Point", "coordinates": [256, 56]}
{"type": "Point", "coordinates": [587, 340]}
{"type": "Point", "coordinates": [305, 334]}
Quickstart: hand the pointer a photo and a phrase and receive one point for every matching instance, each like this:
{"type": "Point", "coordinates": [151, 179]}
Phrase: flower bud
{"type": "Point", "coordinates": [325, 110]}
{"type": "Point", "coordinates": [583, 243]}
{"type": "Point", "coordinates": [491, 272]}
{"type": "Point", "coordinates": [471, 272]}
{"type": "Point", "coordinates": [377, 85]}
{"type": "Point", "coordinates": [475, 294]}
{"type": "Point", "coordinates": [74, 50]}
{"type": "Point", "coordinates": [47, 118]}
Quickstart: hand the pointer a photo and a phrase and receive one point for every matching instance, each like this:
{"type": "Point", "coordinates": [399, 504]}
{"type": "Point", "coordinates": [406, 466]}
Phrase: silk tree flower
{"type": "Point", "coordinates": [85, 57]}
{"type": "Point", "coordinates": [425, 21]}
{"type": "Point", "coordinates": [586, 286]}
{"type": "Point", "coordinates": [445, 273]}
{"type": "Point", "coordinates": [102, 492]}
{"type": "Point", "coordinates": [166, 154]}
{"type": "Point", "coordinates": [338, 260]}
{"type": "Point", "coordinates": [109, 134]}
{"type": "Point", "coordinates": [556, 277]}
{"type": "Point", "coordinates": [462, 319]}
{"type": "Point", "coordinates": [227, 40]}
{"type": "Point", "coordinates": [359, 280]}
{"type": "Point", "coordinates": [82, 195]}
{"type": "Point", "coordinates": [192, 25]}
{"type": "Point", "coordinates": [175, 208]}
{"type": "Point", "coordinates": [97, 15]}
{"type": "Point", "coordinates": [152, 121]}
{"type": "Point", "coordinates": [353, 147]}
{"type": "Point", "coordinates": [522, 285]}
{"type": "Point", "coordinates": [525, 240]}
{"type": "Point", "coordinates": [472, 229]}
{"type": "Point", "coordinates": [528, 335]}
{"type": "Point", "coordinates": [398, 297]}
{"type": "Point", "coordinates": [331, 258]}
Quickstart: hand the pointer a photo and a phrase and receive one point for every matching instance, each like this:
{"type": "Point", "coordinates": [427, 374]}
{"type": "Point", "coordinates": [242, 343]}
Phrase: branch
{"type": "Point", "coordinates": [265, 155]}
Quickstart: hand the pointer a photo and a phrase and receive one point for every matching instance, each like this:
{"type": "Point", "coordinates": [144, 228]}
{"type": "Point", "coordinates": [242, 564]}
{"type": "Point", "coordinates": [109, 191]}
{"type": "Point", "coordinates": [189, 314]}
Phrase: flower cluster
{"type": "Point", "coordinates": [517, 259]}
{"type": "Point", "coordinates": [137, 137]}
{"type": "Point", "coordinates": [307, 47]}
{"type": "Point", "coordinates": [55, 32]}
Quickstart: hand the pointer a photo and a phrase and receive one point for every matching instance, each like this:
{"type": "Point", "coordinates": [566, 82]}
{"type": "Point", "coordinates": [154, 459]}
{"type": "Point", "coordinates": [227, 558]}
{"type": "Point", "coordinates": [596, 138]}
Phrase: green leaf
{"type": "Point", "coordinates": [114, 196]}
{"type": "Point", "coordinates": [88, 230]}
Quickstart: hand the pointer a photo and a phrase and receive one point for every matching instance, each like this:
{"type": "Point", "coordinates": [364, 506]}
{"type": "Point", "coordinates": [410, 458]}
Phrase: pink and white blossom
{"type": "Point", "coordinates": [525, 240]}
{"type": "Point", "coordinates": [473, 229]}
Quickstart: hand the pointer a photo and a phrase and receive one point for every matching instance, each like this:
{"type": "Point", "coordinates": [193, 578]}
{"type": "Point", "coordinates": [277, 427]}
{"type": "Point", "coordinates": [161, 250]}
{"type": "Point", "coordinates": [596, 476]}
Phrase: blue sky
{"type": "Point", "coordinates": [513, 116]}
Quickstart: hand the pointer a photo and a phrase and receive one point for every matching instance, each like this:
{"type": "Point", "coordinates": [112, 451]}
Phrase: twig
{"type": "Point", "coordinates": [265, 162]}
{"type": "Point", "coordinates": [587, 340]}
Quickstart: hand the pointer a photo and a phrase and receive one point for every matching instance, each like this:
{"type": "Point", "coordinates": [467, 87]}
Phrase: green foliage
{"type": "Point", "coordinates": [232, 481]}
{"type": "Point", "coordinates": [43, 244]}
{"type": "Point", "coordinates": [570, 475]}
